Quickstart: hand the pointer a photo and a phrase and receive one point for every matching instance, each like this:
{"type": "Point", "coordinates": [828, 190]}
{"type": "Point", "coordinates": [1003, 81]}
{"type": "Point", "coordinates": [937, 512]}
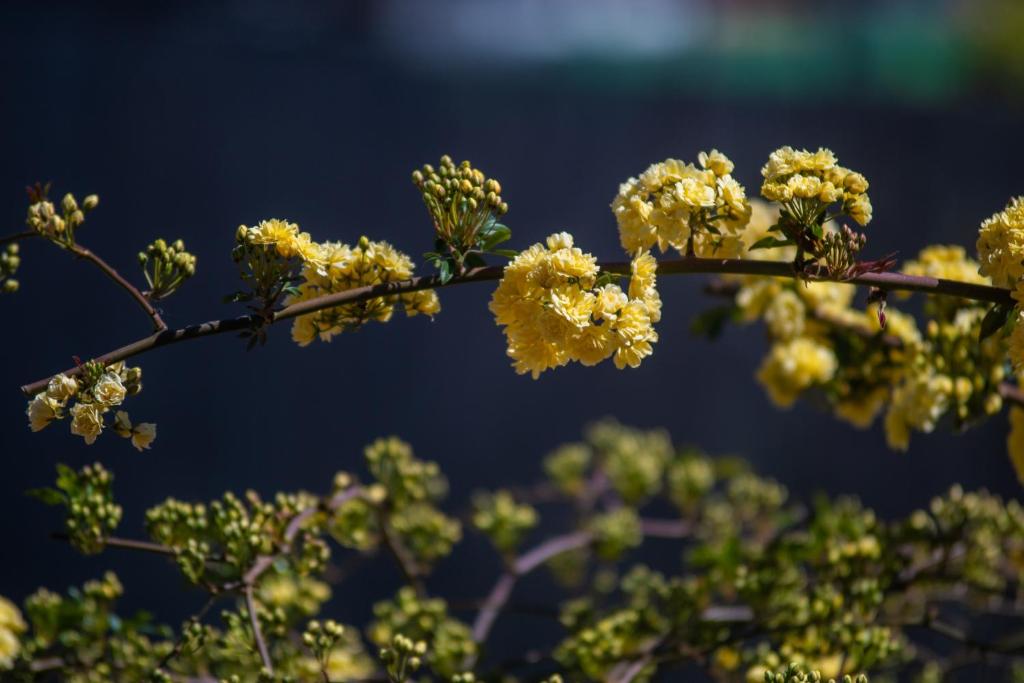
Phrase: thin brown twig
{"type": "Point", "coordinates": [81, 252]}
{"type": "Point", "coordinates": [686, 265]}
{"type": "Point", "coordinates": [257, 634]}
{"type": "Point", "coordinates": [537, 556]}
{"type": "Point", "coordinates": [405, 563]}
{"type": "Point", "coordinates": [17, 237]}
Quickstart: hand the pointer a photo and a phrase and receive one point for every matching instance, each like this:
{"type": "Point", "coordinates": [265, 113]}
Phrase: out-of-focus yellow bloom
{"type": "Point", "coordinates": [861, 410]}
{"type": "Point", "coordinates": [1001, 245]}
{"type": "Point", "coordinates": [917, 404]}
{"type": "Point", "coordinates": [948, 261]}
{"type": "Point", "coordinates": [785, 315]}
{"type": "Point", "coordinates": [11, 626]}
{"type": "Point", "coordinates": [793, 366]}
{"type": "Point", "coordinates": [553, 311]}
{"type": "Point", "coordinates": [673, 204]}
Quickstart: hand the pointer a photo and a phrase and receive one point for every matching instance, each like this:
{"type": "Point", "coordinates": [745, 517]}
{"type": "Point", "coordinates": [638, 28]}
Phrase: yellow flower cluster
{"type": "Point", "coordinates": [917, 404]}
{"type": "Point", "coordinates": [11, 627]}
{"type": "Point", "coordinates": [793, 366]}
{"type": "Point", "coordinates": [810, 181]}
{"type": "Point", "coordinates": [274, 249]}
{"type": "Point", "coordinates": [1001, 245]}
{"type": "Point", "coordinates": [676, 204]}
{"type": "Point", "coordinates": [554, 310]}
{"type": "Point", "coordinates": [95, 393]}
{"type": "Point", "coordinates": [336, 267]}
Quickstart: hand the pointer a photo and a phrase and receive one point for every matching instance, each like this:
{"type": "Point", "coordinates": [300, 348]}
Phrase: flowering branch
{"type": "Point", "coordinates": [681, 266]}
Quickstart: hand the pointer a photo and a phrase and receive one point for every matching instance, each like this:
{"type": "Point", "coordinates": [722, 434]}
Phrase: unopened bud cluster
{"type": "Point", "coordinates": [88, 398]}
{"type": "Point", "coordinates": [464, 206]}
{"type": "Point", "coordinates": [57, 225]}
{"type": "Point", "coordinates": [88, 497]}
{"type": "Point", "coordinates": [403, 657]}
{"type": "Point", "coordinates": [9, 263]}
{"type": "Point", "coordinates": [166, 267]}
{"type": "Point", "coordinates": [503, 520]}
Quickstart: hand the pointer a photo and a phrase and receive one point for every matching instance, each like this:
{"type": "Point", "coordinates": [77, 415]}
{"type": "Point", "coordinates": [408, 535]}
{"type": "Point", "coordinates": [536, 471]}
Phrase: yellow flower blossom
{"type": "Point", "coordinates": [793, 366]}
{"type": "Point", "coordinates": [673, 204]}
{"type": "Point", "coordinates": [87, 421]}
{"type": "Point", "coordinates": [109, 391]}
{"type": "Point", "coordinates": [61, 388]}
{"type": "Point", "coordinates": [338, 267]}
{"type": "Point", "coordinates": [806, 182]}
{"type": "Point", "coordinates": [42, 410]}
{"type": "Point", "coordinates": [1001, 245]}
{"type": "Point", "coordinates": [553, 311]}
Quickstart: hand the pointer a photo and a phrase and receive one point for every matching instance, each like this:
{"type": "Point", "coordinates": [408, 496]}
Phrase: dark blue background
{"type": "Point", "coordinates": [189, 119]}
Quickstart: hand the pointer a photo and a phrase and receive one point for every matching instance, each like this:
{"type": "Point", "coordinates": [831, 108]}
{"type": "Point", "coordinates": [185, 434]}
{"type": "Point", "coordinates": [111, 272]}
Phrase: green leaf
{"type": "Point", "coordinates": [47, 495]}
{"type": "Point", "coordinates": [445, 271]}
{"type": "Point", "coordinates": [495, 236]}
{"type": "Point", "coordinates": [770, 242]}
{"type": "Point", "coordinates": [712, 229]}
{"type": "Point", "coordinates": [994, 321]}
{"type": "Point", "coordinates": [507, 253]}
{"type": "Point", "coordinates": [818, 230]}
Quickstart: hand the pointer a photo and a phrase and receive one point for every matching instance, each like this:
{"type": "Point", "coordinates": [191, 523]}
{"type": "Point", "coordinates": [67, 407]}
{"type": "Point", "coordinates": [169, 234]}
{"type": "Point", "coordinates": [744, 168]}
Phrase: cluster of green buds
{"type": "Point", "coordinates": [88, 496]}
{"type": "Point", "coordinates": [795, 673]}
{"type": "Point", "coordinates": [83, 640]}
{"type": "Point", "coordinates": [812, 190]}
{"type": "Point", "coordinates": [59, 227]}
{"type": "Point", "coordinates": [464, 205]}
{"type": "Point", "coordinates": [424, 620]}
{"type": "Point", "coordinates": [88, 399]}
{"type": "Point", "coordinates": [166, 267]}
{"type": "Point", "coordinates": [615, 532]}
{"type": "Point", "coordinates": [633, 460]}
{"type": "Point", "coordinates": [9, 263]}
{"type": "Point", "coordinates": [402, 658]}
{"type": "Point", "coordinates": [227, 535]}
{"type": "Point", "coordinates": [503, 520]}
{"type": "Point", "coordinates": [320, 638]}
{"type": "Point", "coordinates": [840, 249]}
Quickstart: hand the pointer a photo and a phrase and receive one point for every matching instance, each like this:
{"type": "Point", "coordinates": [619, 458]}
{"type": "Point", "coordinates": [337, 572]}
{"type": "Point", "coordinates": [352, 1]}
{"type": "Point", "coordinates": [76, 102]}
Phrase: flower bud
{"type": "Point", "coordinates": [90, 202]}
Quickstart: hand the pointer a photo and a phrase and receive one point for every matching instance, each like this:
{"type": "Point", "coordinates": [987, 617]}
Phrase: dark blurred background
{"type": "Point", "coordinates": [188, 119]}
